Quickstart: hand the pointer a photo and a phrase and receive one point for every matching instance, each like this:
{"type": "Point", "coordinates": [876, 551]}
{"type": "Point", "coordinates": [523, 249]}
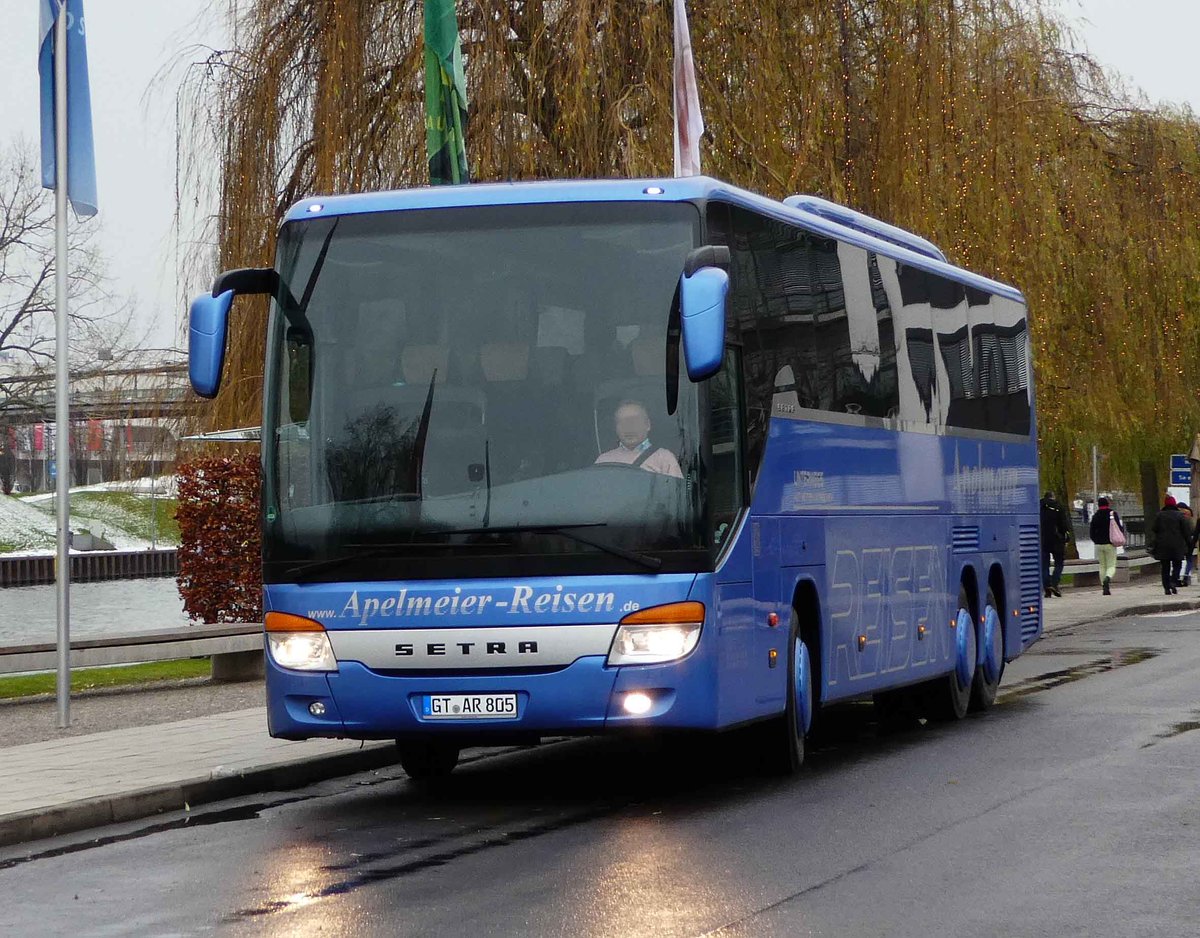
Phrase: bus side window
{"type": "Point", "coordinates": [726, 488]}
{"type": "Point", "coordinates": [299, 352]}
{"type": "Point", "coordinates": [293, 440]}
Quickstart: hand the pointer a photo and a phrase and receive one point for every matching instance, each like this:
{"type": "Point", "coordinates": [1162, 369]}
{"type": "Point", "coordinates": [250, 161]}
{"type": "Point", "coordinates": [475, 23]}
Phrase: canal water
{"type": "Point", "coordinates": [112, 607]}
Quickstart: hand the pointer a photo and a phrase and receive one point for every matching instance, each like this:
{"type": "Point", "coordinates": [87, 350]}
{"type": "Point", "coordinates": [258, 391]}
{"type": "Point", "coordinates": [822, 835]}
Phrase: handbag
{"type": "Point", "coordinates": [1116, 536]}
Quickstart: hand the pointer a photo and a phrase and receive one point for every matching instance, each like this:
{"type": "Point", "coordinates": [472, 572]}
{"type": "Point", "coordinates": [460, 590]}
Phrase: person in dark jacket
{"type": "Point", "coordinates": [1106, 553]}
{"type": "Point", "coordinates": [1055, 530]}
{"type": "Point", "coordinates": [1170, 543]}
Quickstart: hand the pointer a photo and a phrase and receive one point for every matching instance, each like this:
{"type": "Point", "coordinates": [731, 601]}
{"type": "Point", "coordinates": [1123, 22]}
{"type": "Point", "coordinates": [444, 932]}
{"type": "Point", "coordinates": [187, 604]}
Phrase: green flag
{"type": "Point", "coordinates": [445, 96]}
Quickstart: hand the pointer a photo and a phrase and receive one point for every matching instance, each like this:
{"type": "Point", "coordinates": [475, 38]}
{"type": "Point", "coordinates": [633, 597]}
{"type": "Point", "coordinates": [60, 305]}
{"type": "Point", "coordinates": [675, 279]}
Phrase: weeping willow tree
{"type": "Point", "coordinates": [969, 121]}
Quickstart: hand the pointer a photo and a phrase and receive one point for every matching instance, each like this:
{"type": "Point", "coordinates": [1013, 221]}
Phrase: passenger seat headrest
{"type": "Point", "coordinates": [504, 361]}
{"type": "Point", "coordinates": [649, 355]}
{"type": "Point", "coordinates": [418, 362]}
{"type": "Point", "coordinates": [549, 364]}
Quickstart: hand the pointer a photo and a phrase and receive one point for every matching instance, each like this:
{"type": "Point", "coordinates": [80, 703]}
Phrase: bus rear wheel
{"type": "Point", "coordinates": [948, 698]}
{"type": "Point", "coordinates": [427, 760]}
{"type": "Point", "coordinates": [990, 669]}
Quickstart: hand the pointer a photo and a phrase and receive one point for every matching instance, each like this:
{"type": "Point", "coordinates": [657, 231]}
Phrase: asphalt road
{"type": "Point", "coordinates": [1072, 808]}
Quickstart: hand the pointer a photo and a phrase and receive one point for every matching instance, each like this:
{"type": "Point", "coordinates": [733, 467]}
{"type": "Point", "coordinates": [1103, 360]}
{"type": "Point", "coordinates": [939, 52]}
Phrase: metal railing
{"type": "Point", "coordinates": [1135, 531]}
{"type": "Point", "coordinates": [37, 569]}
{"type": "Point", "coordinates": [190, 642]}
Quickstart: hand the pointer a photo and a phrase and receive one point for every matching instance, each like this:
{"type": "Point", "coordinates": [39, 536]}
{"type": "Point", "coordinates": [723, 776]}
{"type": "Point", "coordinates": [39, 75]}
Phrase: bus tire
{"type": "Point", "coordinates": [426, 760]}
{"type": "Point", "coordinates": [990, 670]}
{"type": "Point", "coordinates": [949, 697]}
{"type": "Point", "coordinates": [786, 734]}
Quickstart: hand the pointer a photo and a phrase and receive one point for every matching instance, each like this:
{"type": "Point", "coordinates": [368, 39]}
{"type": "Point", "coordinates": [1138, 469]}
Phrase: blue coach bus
{"type": "Point", "coordinates": [595, 457]}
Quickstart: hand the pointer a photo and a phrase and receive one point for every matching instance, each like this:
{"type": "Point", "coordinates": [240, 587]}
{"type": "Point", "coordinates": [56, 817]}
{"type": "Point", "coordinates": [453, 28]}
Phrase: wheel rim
{"type": "Point", "coordinates": [965, 640]}
{"type": "Point", "coordinates": [992, 652]}
{"type": "Point", "coordinates": [803, 688]}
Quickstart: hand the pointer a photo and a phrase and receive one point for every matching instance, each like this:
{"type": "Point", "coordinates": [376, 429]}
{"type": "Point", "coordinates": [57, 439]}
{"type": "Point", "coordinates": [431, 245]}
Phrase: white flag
{"type": "Point", "coordinates": [689, 125]}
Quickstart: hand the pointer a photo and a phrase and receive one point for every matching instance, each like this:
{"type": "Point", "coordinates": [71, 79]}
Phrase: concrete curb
{"type": "Point", "coordinates": [1177, 605]}
{"type": "Point", "coordinates": [1146, 609]}
{"type": "Point", "coordinates": [134, 805]}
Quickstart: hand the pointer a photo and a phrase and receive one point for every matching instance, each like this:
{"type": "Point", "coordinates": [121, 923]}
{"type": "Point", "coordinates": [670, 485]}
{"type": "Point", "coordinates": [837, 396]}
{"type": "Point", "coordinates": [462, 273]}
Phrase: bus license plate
{"type": "Point", "coordinates": [469, 707]}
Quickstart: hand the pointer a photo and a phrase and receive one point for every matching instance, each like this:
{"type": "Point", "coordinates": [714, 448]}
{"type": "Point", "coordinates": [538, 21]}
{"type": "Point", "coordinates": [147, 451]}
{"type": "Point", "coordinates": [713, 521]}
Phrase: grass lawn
{"type": "Point", "coordinates": [131, 514]}
{"type": "Point", "coordinates": [128, 519]}
{"type": "Point", "coordinates": [26, 685]}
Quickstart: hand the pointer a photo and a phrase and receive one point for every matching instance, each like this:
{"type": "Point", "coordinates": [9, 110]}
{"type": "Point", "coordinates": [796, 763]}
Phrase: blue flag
{"type": "Point", "coordinates": [81, 158]}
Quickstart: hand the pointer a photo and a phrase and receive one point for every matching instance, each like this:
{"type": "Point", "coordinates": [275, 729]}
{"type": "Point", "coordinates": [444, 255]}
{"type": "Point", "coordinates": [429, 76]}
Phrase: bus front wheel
{"type": "Point", "coordinates": [427, 760]}
{"type": "Point", "coordinates": [786, 734]}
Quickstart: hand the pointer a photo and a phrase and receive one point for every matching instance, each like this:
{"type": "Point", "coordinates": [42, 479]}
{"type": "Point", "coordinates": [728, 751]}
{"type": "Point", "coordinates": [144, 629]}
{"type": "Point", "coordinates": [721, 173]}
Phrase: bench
{"type": "Point", "coordinates": [1087, 572]}
{"type": "Point", "coordinates": [236, 650]}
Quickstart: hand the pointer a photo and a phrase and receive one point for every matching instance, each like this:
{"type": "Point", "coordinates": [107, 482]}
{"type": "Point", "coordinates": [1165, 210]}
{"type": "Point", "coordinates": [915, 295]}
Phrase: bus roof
{"type": "Point", "coordinates": [683, 189]}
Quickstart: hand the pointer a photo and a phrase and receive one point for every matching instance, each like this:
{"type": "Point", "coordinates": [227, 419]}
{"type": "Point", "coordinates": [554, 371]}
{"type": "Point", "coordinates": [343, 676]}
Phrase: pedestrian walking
{"type": "Point", "coordinates": [1190, 519]}
{"type": "Point", "coordinates": [1102, 532]}
{"type": "Point", "coordinates": [1170, 543]}
{"type": "Point", "coordinates": [1056, 529]}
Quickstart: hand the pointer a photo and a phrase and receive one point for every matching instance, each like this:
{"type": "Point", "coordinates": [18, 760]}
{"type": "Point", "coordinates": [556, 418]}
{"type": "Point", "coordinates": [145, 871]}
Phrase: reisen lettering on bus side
{"type": "Point", "coordinates": [519, 600]}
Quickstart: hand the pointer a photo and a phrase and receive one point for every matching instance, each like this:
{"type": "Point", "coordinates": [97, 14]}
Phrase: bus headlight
{"type": "Point", "coordinates": [298, 644]}
{"type": "Point", "coordinates": [658, 634]}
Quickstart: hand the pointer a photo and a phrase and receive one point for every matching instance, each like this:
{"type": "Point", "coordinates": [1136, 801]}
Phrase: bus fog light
{"type": "Point", "coordinates": [316, 708]}
{"type": "Point", "coordinates": [302, 651]}
{"type": "Point", "coordinates": [638, 703]}
{"type": "Point", "coordinates": [653, 644]}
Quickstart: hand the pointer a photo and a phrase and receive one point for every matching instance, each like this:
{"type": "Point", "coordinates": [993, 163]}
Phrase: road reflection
{"type": "Point", "coordinates": [628, 793]}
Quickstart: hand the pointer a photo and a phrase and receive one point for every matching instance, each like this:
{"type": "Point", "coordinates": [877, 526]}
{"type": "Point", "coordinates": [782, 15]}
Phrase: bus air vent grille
{"type": "Point", "coordinates": [1031, 583]}
{"type": "Point", "coordinates": [965, 539]}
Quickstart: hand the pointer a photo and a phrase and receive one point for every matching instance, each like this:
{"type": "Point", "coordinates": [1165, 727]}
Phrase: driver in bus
{"type": "Point", "coordinates": [635, 449]}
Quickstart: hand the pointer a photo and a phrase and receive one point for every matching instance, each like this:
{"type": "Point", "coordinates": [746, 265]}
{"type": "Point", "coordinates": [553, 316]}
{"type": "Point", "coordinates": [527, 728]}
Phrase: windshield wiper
{"type": "Point", "coordinates": [304, 571]}
{"type": "Point", "coordinates": [567, 530]}
{"type": "Point", "coordinates": [417, 465]}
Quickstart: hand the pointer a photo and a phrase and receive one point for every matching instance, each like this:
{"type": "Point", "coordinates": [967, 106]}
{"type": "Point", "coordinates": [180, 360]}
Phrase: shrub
{"type": "Point", "coordinates": [220, 550]}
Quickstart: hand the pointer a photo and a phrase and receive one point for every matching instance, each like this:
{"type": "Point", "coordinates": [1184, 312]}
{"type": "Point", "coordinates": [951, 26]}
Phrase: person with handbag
{"type": "Point", "coordinates": [1186, 510]}
{"type": "Point", "coordinates": [1170, 543]}
{"type": "Point", "coordinates": [1108, 533]}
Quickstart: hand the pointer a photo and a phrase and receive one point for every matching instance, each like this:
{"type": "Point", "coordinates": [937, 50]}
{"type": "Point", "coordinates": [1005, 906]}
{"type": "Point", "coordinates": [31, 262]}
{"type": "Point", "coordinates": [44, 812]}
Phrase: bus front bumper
{"type": "Point", "coordinates": [586, 697]}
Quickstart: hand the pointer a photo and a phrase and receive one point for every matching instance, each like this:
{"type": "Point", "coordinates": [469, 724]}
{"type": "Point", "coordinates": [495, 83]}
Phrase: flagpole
{"type": "Point", "coordinates": [62, 436]}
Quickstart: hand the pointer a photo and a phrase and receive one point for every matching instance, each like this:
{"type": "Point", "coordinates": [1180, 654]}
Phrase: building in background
{"type": "Point", "coordinates": [126, 420]}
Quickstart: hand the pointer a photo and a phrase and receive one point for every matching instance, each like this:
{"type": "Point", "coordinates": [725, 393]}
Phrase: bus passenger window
{"type": "Point", "coordinates": [726, 487]}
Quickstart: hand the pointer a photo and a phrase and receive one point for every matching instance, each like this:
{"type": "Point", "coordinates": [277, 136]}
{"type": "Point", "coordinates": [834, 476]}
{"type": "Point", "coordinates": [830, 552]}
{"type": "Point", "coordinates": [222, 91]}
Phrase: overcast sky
{"type": "Point", "coordinates": [129, 44]}
{"type": "Point", "coordinates": [1152, 43]}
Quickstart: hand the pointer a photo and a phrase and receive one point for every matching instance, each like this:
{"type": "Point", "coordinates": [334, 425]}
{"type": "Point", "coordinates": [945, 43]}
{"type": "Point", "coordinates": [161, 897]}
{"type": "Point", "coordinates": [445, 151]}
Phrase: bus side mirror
{"type": "Point", "coordinates": [702, 297]}
{"type": "Point", "coordinates": [208, 325]}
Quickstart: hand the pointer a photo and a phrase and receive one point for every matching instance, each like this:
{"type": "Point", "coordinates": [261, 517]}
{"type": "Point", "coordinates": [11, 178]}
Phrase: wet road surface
{"type": "Point", "coordinates": [1072, 808]}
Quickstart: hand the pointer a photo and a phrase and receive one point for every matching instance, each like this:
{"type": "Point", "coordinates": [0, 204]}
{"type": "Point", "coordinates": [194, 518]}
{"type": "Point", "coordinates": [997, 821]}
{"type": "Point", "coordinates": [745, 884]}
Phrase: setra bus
{"type": "Point", "coordinates": [592, 457]}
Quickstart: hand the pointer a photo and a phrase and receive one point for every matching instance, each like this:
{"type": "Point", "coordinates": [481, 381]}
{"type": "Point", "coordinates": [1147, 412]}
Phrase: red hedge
{"type": "Point", "coordinates": [220, 551]}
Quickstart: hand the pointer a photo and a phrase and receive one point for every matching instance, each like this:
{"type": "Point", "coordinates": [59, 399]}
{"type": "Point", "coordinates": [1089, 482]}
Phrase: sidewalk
{"type": "Point", "coordinates": [78, 782]}
{"type": "Point", "coordinates": [1140, 596]}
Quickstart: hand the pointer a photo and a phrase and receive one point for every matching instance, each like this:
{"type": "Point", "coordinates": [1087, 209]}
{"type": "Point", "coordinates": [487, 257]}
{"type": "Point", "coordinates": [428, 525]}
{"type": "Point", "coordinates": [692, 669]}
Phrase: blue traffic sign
{"type": "Point", "coordinates": [1181, 470]}
{"type": "Point", "coordinates": [52, 470]}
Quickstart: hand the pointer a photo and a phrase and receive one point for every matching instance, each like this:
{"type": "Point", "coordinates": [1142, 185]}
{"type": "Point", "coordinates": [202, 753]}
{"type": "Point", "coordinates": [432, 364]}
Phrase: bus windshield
{"type": "Point", "coordinates": [459, 389]}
